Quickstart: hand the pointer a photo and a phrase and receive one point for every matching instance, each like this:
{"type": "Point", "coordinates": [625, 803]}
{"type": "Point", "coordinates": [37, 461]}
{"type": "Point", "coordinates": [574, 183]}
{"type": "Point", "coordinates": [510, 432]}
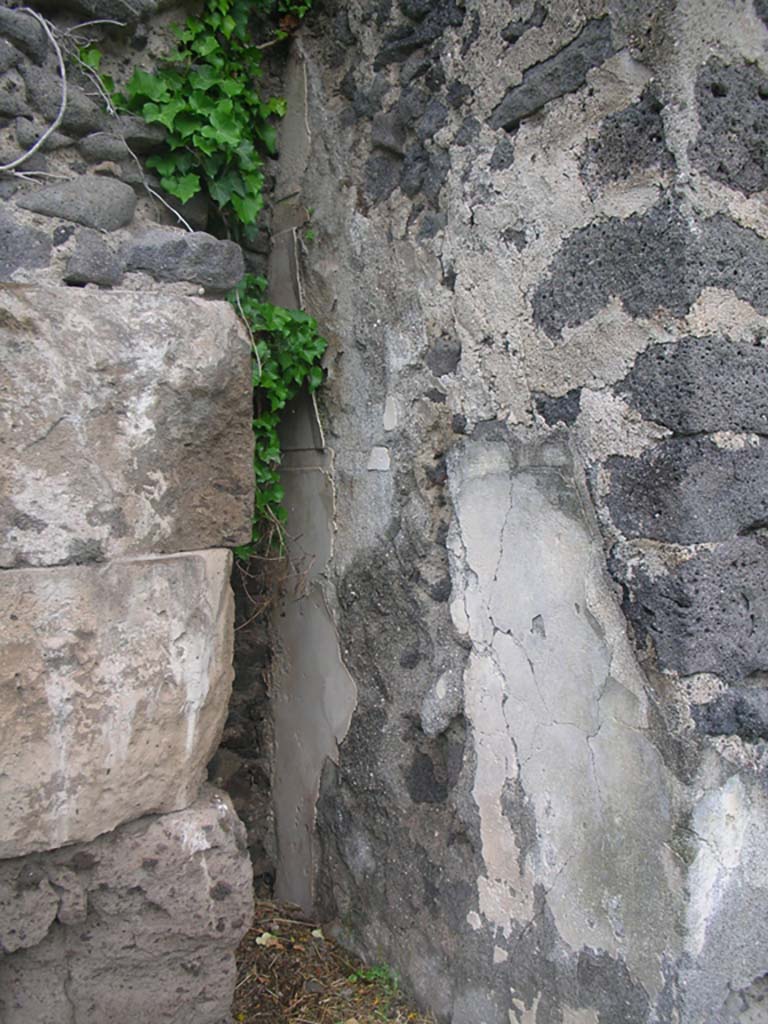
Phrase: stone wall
{"type": "Point", "coordinates": [125, 475]}
{"type": "Point", "coordinates": [540, 256]}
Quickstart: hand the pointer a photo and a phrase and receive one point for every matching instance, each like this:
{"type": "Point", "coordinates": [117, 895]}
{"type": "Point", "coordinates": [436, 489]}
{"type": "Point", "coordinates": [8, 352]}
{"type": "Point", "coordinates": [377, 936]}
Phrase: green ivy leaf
{"type": "Point", "coordinates": [183, 188]}
{"type": "Point", "coordinates": [204, 45]}
{"type": "Point", "coordinates": [247, 208]}
{"type": "Point", "coordinates": [145, 86]}
{"type": "Point", "coordinates": [90, 56]}
{"type": "Point", "coordinates": [204, 78]}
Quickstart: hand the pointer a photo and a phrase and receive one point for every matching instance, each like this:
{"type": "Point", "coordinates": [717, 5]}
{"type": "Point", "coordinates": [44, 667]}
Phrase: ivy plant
{"type": "Point", "coordinates": [287, 349]}
{"type": "Point", "coordinates": [219, 127]}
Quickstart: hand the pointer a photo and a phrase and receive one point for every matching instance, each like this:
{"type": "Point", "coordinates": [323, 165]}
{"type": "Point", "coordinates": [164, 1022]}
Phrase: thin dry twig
{"type": "Point", "coordinates": [48, 29]}
{"type": "Point", "coordinates": [95, 21]}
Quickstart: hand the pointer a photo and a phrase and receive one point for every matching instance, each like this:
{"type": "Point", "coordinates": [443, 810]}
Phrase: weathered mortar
{"type": "Point", "coordinates": [546, 291]}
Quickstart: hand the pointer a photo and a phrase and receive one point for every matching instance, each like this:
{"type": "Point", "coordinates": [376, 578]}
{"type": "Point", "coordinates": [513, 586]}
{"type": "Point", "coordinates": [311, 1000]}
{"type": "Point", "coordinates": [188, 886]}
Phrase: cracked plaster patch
{"type": "Point", "coordinates": [555, 699]}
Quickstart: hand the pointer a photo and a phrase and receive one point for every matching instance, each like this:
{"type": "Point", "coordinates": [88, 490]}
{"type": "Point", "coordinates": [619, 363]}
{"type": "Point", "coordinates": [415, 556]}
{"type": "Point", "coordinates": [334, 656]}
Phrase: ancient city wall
{"type": "Point", "coordinates": [516, 737]}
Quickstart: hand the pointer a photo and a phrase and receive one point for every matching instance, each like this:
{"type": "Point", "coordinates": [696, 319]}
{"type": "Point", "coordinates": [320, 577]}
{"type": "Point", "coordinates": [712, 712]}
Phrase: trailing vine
{"type": "Point", "coordinates": [220, 130]}
{"type": "Point", "coordinates": [287, 349]}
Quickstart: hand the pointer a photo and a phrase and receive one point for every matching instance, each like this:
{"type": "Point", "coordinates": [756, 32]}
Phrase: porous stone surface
{"type": "Point", "coordinates": [702, 385]}
{"type": "Point", "coordinates": [545, 408]}
{"type": "Point", "coordinates": [690, 490]}
{"type": "Point", "coordinates": [94, 201]}
{"type": "Point", "coordinates": [43, 91]}
{"type": "Point", "coordinates": [732, 102]}
{"type": "Point", "coordinates": [141, 924]}
{"type": "Point", "coordinates": [176, 255]}
{"type": "Point", "coordinates": [741, 711]}
{"type": "Point", "coordinates": [115, 691]}
{"type": "Point", "coordinates": [24, 32]}
{"type": "Point", "coordinates": [652, 262]}
{"type": "Point", "coordinates": [21, 246]}
{"type": "Point", "coordinates": [628, 142]}
{"type": "Point", "coordinates": [93, 261]}
{"type": "Point", "coordinates": [706, 614]}
{"type": "Point", "coordinates": [144, 441]}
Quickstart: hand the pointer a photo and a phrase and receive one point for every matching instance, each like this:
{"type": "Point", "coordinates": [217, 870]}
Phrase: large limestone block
{"type": "Point", "coordinates": [125, 425]}
{"type": "Point", "coordinates": [114, 685]}
{"type": "Point", "coordinates": [139, 925]}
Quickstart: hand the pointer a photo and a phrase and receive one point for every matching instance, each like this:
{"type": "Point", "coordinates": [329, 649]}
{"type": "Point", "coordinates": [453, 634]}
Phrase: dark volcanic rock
{"type": "Point", "coordinates": [708, 614]}
{"type": "Point", "coordinates": [96, 202]}
{"type": "Point", "coordinates": [732, 104]}
{"type": "Point", "coordinates": [564, 409]}
{"type": "Point", "coordinates": [21, 247]}
{"type": "Point", "coordinates": [382, 174]}
{"type": "Point", "coordinates": [399, 44]}
{"type": "Point", "coordinates": [81, 116]}
{"type": "Point", "coordinates": [641, 259]}
{"type": "Point", "coordinates": [387, 132]}
{"type": "Point", "coordinates": [10, 57]}
{"type": "Point", "coordinates": [503, 155]}
{"type": "Point", "coordinates": [564, 72]}
{"type": "Point", "coordinates": [103, 146]}
{"type": "Point", "coordinates": [432, 120]}
{"type": "Point", "coordinates": [25, 32]}
{"type": "Point", "coordinates": [690, 491]}
{"type": "Point", "coordinates": [652, 261]}
{"type": "Point", "coordinates": [174, 255]}
{"type": "Point", "coordinates": [699, 385]}
{"type": "Point", "coordinates": [630, 140]}
{"type": "Point", "coordinates": [443, 357]}
{"type": "Point", "coordinates": [741, 711]}
{"type": "Point", "coordinates": [92, 262]}
{"type": "Point", "coordinates": [28, 132]}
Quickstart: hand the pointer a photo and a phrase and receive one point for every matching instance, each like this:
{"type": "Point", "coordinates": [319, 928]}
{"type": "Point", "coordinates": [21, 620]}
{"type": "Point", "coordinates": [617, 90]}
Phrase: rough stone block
{"type": "Point", "coordinates": [690, 490]}
{"type": "Point", "coordinates": [93, 262]}
{"type": "Point", "coordinates": [21, 247]}
{"type": "Point", "coordinates": [139, 925]}
{"type": "Point", "coordinates": [13, 98]}
{"type": "Point", "coordinates": [143, 443]}
{"type": "Point", "coordinates": [29, 130]}
{"type": "Point", "coordinates": [44, 92]}
{"type": "Point", "coordinates": [707, 614]}
{"type": "Point", "coordinates": [128, 11]}
{"type": "Point", "coordinates": [175, 255]}
{"type": "Point", "coordinates": [96, 202]}
{"type": "Point", "coordinates": [25, 32]}
{"type": "Point", "coordinates": [702, 385]}
{"type": "Point", "coordinates": [114, 686]}
{"type": "Point", "coordinates": [731, 103]}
